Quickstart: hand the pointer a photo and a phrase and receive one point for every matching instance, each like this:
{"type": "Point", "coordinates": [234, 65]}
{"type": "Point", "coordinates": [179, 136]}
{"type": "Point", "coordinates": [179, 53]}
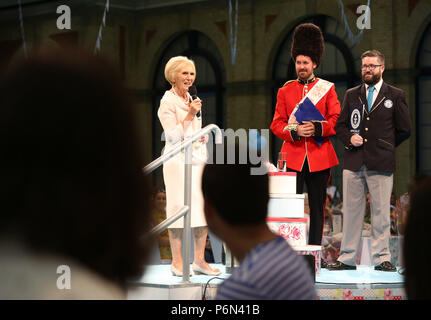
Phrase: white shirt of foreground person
{"type": "Point", "coordinates": [171, 113]}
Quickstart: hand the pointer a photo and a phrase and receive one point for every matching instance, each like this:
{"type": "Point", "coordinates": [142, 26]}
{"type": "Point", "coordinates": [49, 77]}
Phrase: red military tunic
{"type": "Point", "coordinates": [319, 157]}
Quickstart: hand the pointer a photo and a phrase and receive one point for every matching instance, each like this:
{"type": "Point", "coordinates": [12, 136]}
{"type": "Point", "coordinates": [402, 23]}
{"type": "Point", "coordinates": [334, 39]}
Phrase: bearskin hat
{"type": "Point", "coordinates": [308, 41]}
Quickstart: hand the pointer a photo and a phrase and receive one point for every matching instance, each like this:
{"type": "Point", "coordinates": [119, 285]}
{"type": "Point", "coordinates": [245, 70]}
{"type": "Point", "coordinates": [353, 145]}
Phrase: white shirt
{"type": "Point", "coordinates": [377, 88]}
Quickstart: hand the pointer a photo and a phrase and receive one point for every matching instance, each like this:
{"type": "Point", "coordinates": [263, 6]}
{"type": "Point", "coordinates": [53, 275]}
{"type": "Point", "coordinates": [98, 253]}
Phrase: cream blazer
{"type": "Point", "coordinates": [171, 113]}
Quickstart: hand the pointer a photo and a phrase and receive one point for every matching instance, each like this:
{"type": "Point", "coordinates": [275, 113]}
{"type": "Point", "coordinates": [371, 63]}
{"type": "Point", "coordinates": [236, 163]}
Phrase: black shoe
{"type": "Point", "coordinates": [385, 266]}
{"type": "Point", "coordinates": [339, 266]}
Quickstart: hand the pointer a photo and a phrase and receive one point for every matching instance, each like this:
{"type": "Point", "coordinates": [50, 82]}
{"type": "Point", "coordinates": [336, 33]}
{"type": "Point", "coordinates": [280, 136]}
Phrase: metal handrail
{"type": "Point", "coordinates": [167, 222]}
{"type": "Point", "coordinates": [182, 145]}
{"type": "Point", "coordinates": [186, 144]}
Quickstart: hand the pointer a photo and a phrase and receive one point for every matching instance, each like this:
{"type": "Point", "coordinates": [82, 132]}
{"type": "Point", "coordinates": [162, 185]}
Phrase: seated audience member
{"type": "Point", "coordinates": [328, 227]}
{"type": "Point", "coordinates": [331, 248]}
{"type": "Point", "coordinates": [158, 215]}
{"type": "Point", "coordinates": [394, 216]}
{"type": "Point", "coordinates": [394, 223]}
{"type": "Point", "coordinates": [235, 210]}
{"type": "Point", "coordinates": [417, 257]}
{"type": "Point", "coordinates": [367, 217]}
{"type": "Point", "coordinates": [331, 191]}
{"type": "Point", "coordinates": [71, 189]}
{"type": "Point", "coordinates": [307, 212]}
{"type": "Point", "coordinates": [209, 256]}
{"type": "Point", "coordinates": [402, 205]}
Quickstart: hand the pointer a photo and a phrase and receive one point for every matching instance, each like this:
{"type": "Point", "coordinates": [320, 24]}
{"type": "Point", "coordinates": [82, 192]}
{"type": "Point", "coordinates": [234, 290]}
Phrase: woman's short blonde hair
{"type": "Point", "coordinates": [174, 65]}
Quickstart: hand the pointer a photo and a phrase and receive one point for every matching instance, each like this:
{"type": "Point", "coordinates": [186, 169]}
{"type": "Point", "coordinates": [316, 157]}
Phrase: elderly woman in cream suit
{"type": "Point", "coordinates": [178, 116]}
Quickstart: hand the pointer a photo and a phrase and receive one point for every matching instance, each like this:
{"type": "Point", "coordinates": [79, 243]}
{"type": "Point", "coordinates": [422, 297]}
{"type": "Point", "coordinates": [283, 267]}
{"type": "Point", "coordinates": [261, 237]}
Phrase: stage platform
{"type": "Point", "coordinates": [362, 284]}
{"type": "Point", "coordinates": [158, 283]}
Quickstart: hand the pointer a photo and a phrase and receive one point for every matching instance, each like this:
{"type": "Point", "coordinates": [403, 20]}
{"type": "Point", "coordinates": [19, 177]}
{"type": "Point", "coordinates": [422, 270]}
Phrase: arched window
{"type": "Point", "coordinates": [338, 65]}
{"type": "Point", "coordinates": [209, 82]}
{"type": "Point", "coordinates": [423, 111]}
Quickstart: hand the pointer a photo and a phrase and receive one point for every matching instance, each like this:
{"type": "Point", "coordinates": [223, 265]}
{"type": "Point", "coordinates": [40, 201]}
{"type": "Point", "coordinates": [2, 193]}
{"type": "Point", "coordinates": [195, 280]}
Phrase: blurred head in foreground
{"type": "Point", "coordinates": [71, 170]}
{"type": "Point", "coordinates": [417, 257]}
{"type": "Point", "coordinates": [235, 206]}
{"type": "Point", "coordinates": [243, 201]}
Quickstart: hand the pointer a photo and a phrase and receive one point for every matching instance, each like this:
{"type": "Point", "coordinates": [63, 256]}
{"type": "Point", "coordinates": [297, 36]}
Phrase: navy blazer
{"type": "Point", "coordinates": [383, 128]}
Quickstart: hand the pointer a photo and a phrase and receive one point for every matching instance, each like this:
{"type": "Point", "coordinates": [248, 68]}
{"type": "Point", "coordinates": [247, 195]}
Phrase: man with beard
{"type": "Point", "coordinates": [309, 151]}
{"type": "Point", "coordinates": [369, 160]}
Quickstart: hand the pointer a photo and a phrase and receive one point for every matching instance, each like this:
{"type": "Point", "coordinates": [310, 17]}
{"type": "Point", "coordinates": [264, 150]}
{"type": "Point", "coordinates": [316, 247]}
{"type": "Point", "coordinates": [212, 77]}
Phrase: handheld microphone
{"type": "Point", "coordinates": [194, 94]}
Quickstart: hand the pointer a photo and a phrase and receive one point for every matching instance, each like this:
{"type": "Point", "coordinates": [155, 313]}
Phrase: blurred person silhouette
{"type": "Point", "coordinates": [403, 203]}
{"type": "Point", "coordinates": [180, 117]}
{"type": "Point", "coordinates": [417, 257]}
{"type": "Point", "coordinates": [236, 212]}
{"type": "Point", "coordinates": [158, 214]}
{"type": "Point", "coordinates": [72, 212]}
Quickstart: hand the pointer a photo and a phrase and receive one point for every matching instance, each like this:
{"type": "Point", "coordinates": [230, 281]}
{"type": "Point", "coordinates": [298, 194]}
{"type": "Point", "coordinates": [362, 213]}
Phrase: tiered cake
{"type": "Point", "coordinates": [286, 216]}
{"type": "Point", "coordinates": [286, 208]}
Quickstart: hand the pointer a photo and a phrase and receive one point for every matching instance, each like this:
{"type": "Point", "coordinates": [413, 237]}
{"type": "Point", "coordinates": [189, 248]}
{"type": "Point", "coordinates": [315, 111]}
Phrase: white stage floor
{"type": "Point", "coordinates": [158, 283]}
{"type": "Point", "coordinates": [362, 274]}
{"type": "Point", "coordinates": [365, 283]}
{"type": "Point", "coordinates": [161, 275]}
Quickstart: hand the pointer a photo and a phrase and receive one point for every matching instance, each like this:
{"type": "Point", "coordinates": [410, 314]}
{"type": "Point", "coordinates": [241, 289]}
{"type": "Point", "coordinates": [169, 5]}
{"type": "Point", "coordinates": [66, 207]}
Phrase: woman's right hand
{"type": "Point", "coordinates": [195, 106]}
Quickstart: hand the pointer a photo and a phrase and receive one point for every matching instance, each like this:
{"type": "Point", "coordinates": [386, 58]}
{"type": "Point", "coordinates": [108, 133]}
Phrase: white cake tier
{"type": "Point", "coordinates": [286, 206]}
{"type": "Point", "coordinates": [282, 182]}
{"type": "Point", "coordinates": [310, 248]}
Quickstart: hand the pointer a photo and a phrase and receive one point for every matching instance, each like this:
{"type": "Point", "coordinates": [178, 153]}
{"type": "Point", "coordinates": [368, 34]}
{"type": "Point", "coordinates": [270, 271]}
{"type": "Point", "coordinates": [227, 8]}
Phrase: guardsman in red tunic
{"type": "Point", "coordinates": [309, 150]}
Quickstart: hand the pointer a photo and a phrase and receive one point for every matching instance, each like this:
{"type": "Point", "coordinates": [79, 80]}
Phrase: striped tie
{"type": "Point", "coordinates": [370, 97]}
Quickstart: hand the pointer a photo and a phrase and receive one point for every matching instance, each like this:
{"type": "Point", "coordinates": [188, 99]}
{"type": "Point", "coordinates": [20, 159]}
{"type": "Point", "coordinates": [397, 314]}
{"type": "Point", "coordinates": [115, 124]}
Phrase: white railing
{"type": "Point", "coordinates": [167, 222]}
{"type": "Point", "coordinates": [185, 145]}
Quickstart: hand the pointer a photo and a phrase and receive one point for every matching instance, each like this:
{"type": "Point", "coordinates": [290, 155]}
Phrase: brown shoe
{"type": "Point", "coordinates": [385, 266]}
{"type": "Point", "coordinates": [337, 266]}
